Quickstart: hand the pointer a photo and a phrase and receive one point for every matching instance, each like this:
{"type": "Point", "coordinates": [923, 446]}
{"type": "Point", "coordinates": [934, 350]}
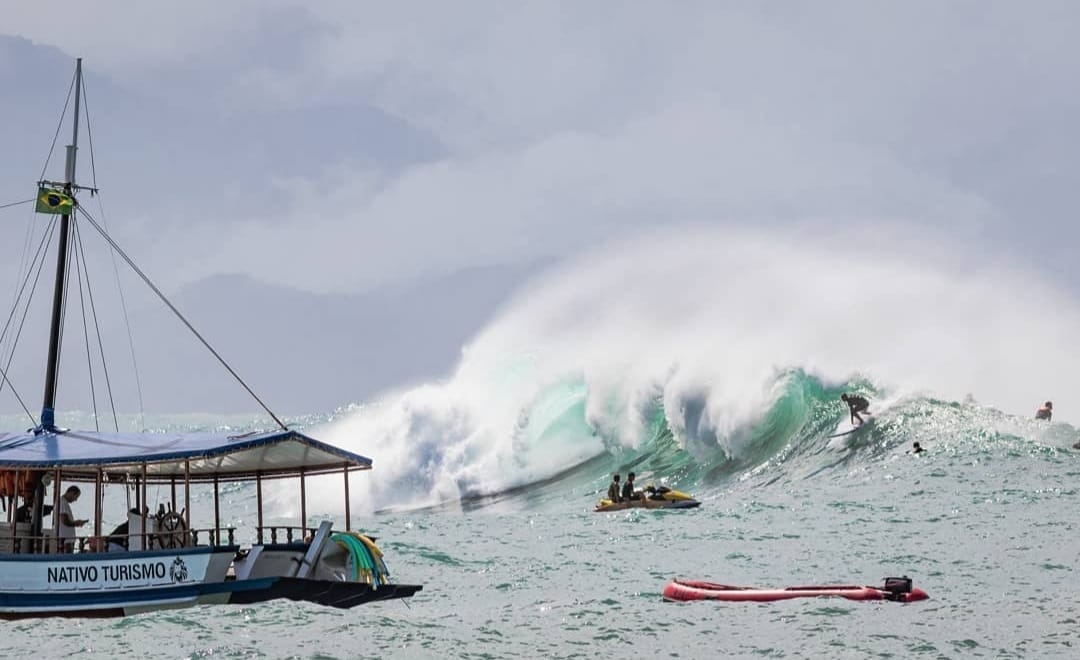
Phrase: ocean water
{"type": "Point", "coordinates": [714, 366]}
{"type": "Point", "coordinates": [984, 520]}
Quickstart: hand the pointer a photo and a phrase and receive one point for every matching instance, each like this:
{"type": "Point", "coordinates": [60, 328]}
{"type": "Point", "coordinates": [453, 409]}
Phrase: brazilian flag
{"type": "Point", "coordinates": [50, 200]}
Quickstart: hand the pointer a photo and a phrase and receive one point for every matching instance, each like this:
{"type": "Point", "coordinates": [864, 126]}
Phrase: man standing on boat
{"type": "Point", "coordinates": [67, 522]}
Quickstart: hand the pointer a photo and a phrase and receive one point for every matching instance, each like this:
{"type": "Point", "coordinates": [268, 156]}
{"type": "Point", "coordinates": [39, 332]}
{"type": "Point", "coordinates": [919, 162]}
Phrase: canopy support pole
{"type": "Point", "coordinates": [56, 511]}
{"type": "Point", "coordinates": [11, 499]}
{"type": "Point", "coordinates": [12, 518]}
{"type": "Point", "coordinates": [303, 506]}
{"type": "Point", "coordinates": [348, 517]}
{"type": "Point", "coordinates": [217, 514]}
{"type": "Point", "coordinates": [99, 495]}
{"type": "Point", "coordinates": [145, 509]}
{"type": "Point", "coordinates": [258, 503]}
{"type": "Point", "coordinates": [187, 493]}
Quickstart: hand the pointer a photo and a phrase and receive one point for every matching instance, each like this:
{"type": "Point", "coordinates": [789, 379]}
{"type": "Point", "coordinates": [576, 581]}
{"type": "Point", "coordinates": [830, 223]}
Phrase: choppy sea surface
{"type": "Point", "coordinates": [711, 363]}
{"type": "Point", "coordinates": [984, 520]}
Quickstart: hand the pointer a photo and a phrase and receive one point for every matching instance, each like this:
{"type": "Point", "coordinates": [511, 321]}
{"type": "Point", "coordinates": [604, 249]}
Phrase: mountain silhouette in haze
{"type": "Point", "coordinates": [303, 352]}
{"type": "Point", "coordinates": [300, 352]}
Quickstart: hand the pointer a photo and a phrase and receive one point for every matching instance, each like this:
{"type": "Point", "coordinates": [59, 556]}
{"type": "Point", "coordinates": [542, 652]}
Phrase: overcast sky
{"type": "Point", "coordinates": [545, 126]}
{"type": "Point", "coordinates": [337, 147]}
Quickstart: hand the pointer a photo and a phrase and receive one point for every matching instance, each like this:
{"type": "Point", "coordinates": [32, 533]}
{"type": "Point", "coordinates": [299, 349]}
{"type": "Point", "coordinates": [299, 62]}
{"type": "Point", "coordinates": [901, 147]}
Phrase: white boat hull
{"type": "Point", "coordinates": [119, 584]}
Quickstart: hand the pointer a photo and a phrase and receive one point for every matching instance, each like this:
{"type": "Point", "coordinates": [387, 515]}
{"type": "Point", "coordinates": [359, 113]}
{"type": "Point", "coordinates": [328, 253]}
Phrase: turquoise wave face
{"type": "Point", "coordinates": [569, 437]}
{"type": "Point", "coordinates": [682, 448]}
{"type": "Point", "coordinates": [790, 441]}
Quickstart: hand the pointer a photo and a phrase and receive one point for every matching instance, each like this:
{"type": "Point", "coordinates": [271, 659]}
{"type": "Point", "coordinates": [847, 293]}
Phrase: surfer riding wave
{"type": "Point", "coordinates": [856, 404]}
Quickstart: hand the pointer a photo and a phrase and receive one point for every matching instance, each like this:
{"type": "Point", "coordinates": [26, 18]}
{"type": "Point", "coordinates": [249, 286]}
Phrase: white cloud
{"type": "Point", "coordinates": [137, 38]}
{"type": "Point", "coordinates": [571, 191]}
{"type": "Point", "coordinates": [567, 124]}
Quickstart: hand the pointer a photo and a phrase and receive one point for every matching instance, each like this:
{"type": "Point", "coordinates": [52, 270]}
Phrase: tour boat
{"type": "Point", "coordinates": [159, 558]}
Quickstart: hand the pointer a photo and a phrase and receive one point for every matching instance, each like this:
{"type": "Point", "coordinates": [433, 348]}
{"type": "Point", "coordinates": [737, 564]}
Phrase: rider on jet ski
{"type": "Point", "coordinates": [656, 493]}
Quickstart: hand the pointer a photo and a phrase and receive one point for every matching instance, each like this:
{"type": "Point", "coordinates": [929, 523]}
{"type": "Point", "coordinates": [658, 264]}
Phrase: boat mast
{"type": "Point", "coordinates": [48, 416]}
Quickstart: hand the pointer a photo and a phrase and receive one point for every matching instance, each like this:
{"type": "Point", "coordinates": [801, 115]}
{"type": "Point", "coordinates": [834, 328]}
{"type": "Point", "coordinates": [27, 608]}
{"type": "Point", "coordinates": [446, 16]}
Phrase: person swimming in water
{"type": "Point", "coordinates": [856, 404]}
{"type": "Point", "coordinates": [1045, 412]}
{"type": "Point", "coordinates": [916, 448]}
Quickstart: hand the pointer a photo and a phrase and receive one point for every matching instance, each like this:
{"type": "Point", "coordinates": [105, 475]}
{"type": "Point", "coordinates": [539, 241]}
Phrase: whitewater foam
{"type": "Point", "coordinates": [706, 325]}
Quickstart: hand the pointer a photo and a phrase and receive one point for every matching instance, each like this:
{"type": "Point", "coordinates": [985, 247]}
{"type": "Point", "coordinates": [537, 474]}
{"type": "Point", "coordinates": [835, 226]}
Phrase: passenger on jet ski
{"type": "Point", "coordinates": [628, 492]}
{"type": "Point", "coordinates": [613, 489]}
{"type": "Point", "coordinates": [655, 493]}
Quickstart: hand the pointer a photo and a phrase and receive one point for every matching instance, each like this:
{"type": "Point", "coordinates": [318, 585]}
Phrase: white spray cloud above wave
{"type": "Point", "coordinates": [710, 315]}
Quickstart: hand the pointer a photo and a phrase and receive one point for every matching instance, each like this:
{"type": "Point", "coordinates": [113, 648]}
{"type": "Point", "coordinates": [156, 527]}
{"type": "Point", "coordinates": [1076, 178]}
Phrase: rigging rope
{"type": "Point", "coordinates": [25, 201]}
{"type": "Point", "coordinates": [59, 125]}
{"type": "Point", "coordinates": [116, 274]}
{"type": "Point", "coordinates": [78, 255]}
{"type": "Point", "coordinates": [27, 241]}
{"type": "Point", "coordinates": [86, 333]}
{"type": "Point", "coordinates": [40, 254]}
{"type": "Point", "coordinates": [39, 258]}
{"type": "Point", "coordinates": [175, 311]}
{"type": "Point", "coordinates": [97, 331]}
{"type": "Point", "coordinates": [64, 307]}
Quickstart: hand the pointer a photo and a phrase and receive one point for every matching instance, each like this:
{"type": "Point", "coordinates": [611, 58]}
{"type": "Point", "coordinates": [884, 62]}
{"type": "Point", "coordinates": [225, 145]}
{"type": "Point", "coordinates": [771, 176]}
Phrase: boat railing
{"type": "Point", "coordinates": [215, 535]}
{"type": "Point", "coordinates": [181, 538]}
{"type": "Point", "coordinates": [24, 543]}
{"type": "Point", "coordinates": [284, 534]}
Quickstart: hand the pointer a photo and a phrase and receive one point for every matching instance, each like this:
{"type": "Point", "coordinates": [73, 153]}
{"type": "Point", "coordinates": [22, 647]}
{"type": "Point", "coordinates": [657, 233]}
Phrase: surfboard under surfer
{"type": "Point", "coordinates": [856, 404]}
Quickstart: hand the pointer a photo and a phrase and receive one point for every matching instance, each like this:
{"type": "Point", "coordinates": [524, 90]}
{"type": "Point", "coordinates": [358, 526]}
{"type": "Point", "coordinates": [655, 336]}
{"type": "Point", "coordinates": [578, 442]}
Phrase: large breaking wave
{"type": "Point", "coordinates": [704, 355]}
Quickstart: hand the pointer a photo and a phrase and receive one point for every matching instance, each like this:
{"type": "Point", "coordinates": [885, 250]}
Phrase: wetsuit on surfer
{"type": "Point", "coordinates": [856, 404]}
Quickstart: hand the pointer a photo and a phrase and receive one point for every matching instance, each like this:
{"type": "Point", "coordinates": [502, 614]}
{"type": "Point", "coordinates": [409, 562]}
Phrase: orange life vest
{"type": "Point", "coordinates": [23, 483]}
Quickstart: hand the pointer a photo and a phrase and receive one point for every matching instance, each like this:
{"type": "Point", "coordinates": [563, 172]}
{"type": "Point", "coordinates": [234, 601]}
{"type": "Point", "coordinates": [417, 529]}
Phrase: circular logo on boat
{"type": "Point", "coordinates": [178, 570]}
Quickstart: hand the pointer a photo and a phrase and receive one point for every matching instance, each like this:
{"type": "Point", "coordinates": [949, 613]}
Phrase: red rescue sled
{"type": "Point", "coordinates": [895, 589]}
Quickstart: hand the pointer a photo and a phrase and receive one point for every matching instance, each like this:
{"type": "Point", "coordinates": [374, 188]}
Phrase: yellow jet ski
{"type": "Point", "coordinates": [652, 498]}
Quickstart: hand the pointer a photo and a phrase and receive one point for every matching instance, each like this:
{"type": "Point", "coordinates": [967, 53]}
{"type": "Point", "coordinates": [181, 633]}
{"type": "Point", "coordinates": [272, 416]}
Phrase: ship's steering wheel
{"type": "Point", "coordinates": [173, 530]}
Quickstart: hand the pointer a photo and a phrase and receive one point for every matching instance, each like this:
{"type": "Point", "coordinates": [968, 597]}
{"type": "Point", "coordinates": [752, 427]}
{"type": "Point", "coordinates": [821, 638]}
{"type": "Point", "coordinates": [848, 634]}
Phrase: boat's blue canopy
{"type": "Point", "coordinates": [201, 456]}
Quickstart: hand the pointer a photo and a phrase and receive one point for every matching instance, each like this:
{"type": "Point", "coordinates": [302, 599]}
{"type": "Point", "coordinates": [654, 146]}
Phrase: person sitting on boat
{"type": "Point", "coordinates": [25, 513]}
{"type": "Point", "coordinates": [67, 522]}
{"type": "Point", "coordinates": [856, 404]}
{"type": "Point", "coordinates": [628, 492]}
{"type": "Point", "coordinates": [117, 540]}
{"type": "Point", "coordinates": [1045, 412]}
{"type": "Point", "coordinates": [613, 489]}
